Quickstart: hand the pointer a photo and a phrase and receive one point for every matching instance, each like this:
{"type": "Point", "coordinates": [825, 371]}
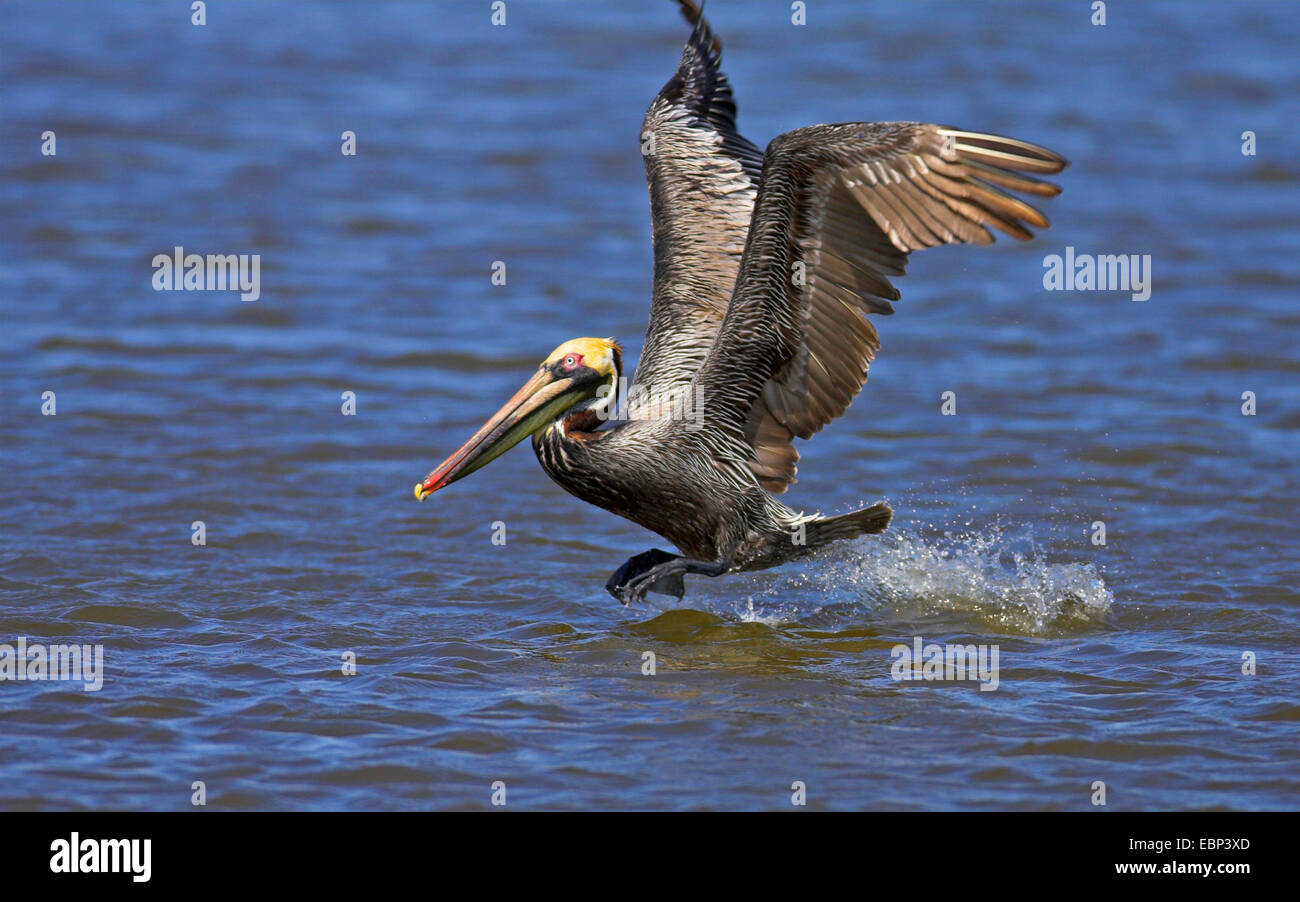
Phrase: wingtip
{"type": "Point", "coordinates": [1001, 150]}
{"type": "Point", "coordinates": [702, 33]}
{"type": "Point", "coordinates": [691, 11]}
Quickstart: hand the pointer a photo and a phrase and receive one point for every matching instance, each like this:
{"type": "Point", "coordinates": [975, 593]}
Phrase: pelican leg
{"type": "Point", "coordinates": [664, 576]}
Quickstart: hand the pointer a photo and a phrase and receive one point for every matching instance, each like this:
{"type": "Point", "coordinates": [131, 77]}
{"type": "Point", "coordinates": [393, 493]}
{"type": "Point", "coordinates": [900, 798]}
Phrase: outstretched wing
{"type": "Point", "coordinates": [838, 210]}
{"type": "Point", "coordinates": [703, 177]}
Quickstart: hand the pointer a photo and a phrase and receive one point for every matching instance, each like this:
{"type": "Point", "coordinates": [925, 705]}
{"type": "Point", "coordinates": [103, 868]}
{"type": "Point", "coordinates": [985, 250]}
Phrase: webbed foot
{"type": "Point", "coordinates": [637, 566]}
{"type": "Point", "coordinates": [657, 571]}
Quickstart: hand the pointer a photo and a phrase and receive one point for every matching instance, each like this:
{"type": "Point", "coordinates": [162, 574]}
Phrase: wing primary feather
{"type": "Point", "coordinates": [850, 201]}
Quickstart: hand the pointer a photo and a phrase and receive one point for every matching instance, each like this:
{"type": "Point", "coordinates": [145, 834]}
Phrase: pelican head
{"type": "Point", "coordinates": [580, 373]}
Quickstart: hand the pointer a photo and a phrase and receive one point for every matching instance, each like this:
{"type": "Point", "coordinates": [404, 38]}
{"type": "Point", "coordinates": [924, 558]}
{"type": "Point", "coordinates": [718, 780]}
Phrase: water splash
{"type": "Point", "coordinates": [998, 577]}
{"type": "Point", "coordinates": [750, 614]}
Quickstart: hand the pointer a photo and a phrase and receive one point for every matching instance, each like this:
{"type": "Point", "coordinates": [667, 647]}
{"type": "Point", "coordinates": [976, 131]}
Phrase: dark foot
{"type": "Point", "coordinates": [636, 566]}
{"type": "Point", "coordinates": [664, 574]}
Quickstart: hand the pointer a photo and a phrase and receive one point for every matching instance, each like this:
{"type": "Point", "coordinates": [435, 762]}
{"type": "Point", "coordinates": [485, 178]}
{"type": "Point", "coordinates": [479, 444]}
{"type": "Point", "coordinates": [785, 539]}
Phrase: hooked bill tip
{"type": "Point", "coordinates": [420, 493]}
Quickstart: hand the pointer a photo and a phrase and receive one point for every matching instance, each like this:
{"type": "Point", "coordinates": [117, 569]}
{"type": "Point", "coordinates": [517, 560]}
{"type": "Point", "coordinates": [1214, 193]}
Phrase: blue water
{"type": "Point", "coordinates": [479, 662]}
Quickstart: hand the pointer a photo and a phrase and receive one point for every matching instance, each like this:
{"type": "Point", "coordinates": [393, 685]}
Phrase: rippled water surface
{"type": "Point", "coordinates": [480, 662]}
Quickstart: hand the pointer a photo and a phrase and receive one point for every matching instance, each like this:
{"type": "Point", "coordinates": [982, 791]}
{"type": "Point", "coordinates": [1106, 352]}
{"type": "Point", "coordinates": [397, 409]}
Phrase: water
{"type": "Point", "coordinates": [479, 662]}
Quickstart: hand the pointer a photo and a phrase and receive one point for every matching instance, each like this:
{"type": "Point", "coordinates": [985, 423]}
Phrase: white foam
{"type": "Point", "coordinates": [997, 578]}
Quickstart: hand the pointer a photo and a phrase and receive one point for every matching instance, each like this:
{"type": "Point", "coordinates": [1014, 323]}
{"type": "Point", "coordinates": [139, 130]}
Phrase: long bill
{"type": "Point", "coordinates": [540, 401]}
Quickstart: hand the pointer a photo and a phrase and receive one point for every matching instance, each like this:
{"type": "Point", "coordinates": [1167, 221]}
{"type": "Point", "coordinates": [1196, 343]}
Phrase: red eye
{"type": "Point", "coordinates": [572, 360]}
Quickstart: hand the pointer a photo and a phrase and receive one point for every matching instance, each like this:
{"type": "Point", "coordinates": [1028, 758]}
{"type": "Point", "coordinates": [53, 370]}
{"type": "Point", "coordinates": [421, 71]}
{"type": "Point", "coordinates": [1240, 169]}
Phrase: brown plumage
{"type": "Point", "coordinates": [766, 266]}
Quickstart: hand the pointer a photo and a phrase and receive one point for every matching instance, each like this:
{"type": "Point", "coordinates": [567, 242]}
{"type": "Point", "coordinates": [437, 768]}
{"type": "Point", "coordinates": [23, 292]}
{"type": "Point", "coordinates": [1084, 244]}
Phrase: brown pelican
{"type": "Point", "coordinates": [765, 267]}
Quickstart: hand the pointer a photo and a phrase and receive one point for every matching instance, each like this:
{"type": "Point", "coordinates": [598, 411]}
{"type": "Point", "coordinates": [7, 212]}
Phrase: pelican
{"type": "Point", "coordinates": [766, 267]}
